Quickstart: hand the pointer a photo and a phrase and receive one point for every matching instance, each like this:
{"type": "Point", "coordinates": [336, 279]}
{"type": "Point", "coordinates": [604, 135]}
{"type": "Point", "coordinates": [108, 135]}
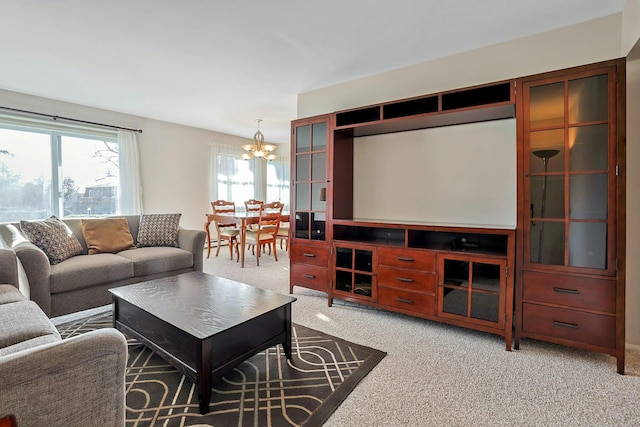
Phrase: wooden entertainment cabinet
{"type": "Point", "coordinates": [469, 275]}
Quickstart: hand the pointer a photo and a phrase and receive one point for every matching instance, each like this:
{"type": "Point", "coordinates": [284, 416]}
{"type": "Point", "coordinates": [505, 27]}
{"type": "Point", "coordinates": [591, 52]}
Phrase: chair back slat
{"type": "Point", "coordinates": [224, 207]}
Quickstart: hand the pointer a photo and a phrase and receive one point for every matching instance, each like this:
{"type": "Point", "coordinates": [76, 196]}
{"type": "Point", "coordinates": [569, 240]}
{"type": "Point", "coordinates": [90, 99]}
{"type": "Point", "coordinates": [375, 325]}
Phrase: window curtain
{"type": "Point", "coordinates": [130, 182]}
{"type": "Point", "coordinates": [231, 177]}
{"type": "Point", "coordinates": [278, 180]}
{"type": "Point", "coordinates": [260, 173]}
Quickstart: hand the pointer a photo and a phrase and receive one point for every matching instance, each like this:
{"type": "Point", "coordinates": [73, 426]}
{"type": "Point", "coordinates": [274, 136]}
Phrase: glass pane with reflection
{"type": "Point", "coordinates": [588, 244]}
{"type": "Point", "coordinates": [485, 306]}
{"type": "Point", "coordinates": [318, 197]}
{"type": "Point", "coordinates": [547, 242]}
{"type": "Point", "coordinates": [547, 105]}
{"type": "Point", "coordinates": [318, 224]}
{"type": "Point", "coordinates": [547, 197]}
{"type": "Point", "coordinates": [319, 166]}
{"type": "Point", "coordinates": [588, 196]}
{"type": "Point", "coordinates": [319, 136]}
{"type": "Point", "coordinates": [302, 197]}
{"type": "Point", "coordinates": [547, 151]}
{"type": "Point", "coordinates": [588, 147]}
{"type": "Point", "coordinates": [302, 167]}
{"type": "Point", "coordinates": [303, 139]}
{"type": "Point", "coordinates": [588, 99]}
{"type": "Point", "coordinates": [302, 225]}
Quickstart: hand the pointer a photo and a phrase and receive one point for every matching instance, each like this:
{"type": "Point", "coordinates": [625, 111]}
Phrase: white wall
{"type": "Point", "coordinates": [633, 195]}
{"type": "Point", "coordinates": [593, 41]}
{"type": "Point", "coordinates": [458, 175]}
{"type": "Point", "coordinates": [174, 159]}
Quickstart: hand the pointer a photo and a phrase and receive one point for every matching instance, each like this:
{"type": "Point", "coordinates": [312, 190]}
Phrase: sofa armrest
{"type": "Point", "coordinates": [38, 271]}
{"type": "Point", "coordinates": [67, 383]}
{"type": "Point", "coordinates": [8, 266]}
{"type": "Point", "coordinates": [34, 264]}
{"type": "Point", "coordinates": [193, 241]}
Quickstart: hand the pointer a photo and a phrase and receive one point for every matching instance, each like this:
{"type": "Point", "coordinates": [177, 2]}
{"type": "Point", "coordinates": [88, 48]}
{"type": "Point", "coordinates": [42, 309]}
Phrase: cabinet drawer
{"type": "Point", "coordinates": [407, 258]}
{"type": "Point", "coordinates": [572, 291]}
{"type": "Point", "coordinates": [411, 280]}
{"type": "Point", "coordinates": [594, 329]}
{"type": "Point", "coordinates": [310, 277]}
{"type": "Point", "coordinates": [314, 255]}
{"type": "Point", "coordinates": [407, 300]}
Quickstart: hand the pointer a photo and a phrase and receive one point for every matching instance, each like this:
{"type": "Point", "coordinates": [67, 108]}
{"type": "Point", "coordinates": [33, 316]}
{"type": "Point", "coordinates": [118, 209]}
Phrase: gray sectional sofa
{"type": "Point", "coordinates": [82, 281]}
{"type": "Point", "coordinates": [79, 381]}
{"type": "Point", "coordinates": [48, 381]}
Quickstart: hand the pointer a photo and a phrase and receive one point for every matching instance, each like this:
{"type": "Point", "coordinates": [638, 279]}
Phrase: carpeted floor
{"type": "Point", "coordinates": [265, 390]}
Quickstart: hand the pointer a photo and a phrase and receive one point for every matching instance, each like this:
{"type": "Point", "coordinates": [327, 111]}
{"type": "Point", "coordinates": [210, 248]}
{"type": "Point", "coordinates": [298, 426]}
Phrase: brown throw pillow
{"type": "Point", "coordinates": [108, 235]}
{"type": "Point", "coordinates": [52, 236]}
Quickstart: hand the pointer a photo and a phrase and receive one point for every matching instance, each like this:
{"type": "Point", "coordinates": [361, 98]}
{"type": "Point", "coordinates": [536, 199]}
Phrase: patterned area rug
{"type": "Point", "coordinates": [265, 390]}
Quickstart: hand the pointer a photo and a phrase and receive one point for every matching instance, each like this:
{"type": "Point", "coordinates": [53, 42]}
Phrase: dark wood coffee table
{"type": "Point", "coordinates": [204, 325]}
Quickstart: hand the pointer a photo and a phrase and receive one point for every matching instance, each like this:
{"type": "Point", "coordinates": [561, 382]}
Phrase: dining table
{"type": "Point", "coordinates": [245, 219]}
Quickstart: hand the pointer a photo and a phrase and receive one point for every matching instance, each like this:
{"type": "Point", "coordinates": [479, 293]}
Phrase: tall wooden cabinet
{"type": "Point", "coordinates": [571, 227]}
{"type": "Point", "coordinates": [310, 236]}
{"type": "Point", "coordinates": [566, 259]}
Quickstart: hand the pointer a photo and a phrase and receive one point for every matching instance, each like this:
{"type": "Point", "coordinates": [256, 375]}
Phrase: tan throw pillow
{"type": "Point", "coordinates": [108, 235]}
{"type": "Point", "coordinates": [52, 236]}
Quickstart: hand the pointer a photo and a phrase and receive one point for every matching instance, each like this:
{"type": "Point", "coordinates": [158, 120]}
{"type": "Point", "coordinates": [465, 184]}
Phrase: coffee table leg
{"type": "Point", "coordinates": [287, 339]}
{"type": "Point", "coordinates": [203, 382]}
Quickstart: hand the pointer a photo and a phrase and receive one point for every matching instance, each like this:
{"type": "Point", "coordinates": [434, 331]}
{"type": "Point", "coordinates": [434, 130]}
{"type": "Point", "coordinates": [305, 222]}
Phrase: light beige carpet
{"type": "Point", "coordinates": [440, 375]}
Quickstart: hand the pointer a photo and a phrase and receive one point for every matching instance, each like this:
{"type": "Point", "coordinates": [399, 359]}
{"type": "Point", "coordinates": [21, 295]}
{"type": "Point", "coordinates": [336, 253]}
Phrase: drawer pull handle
{"type": "Point", "coordinates": [309, 276]}
{"type": "Point", "coordinates": [405, 279]}
{"type": "Point", "coordinates": [401, 258]}
{"type": "Point", "coordinates": [310, 255]}
{"type": "Point", "coordinates": [406, 301]}
{"type": "Point", "coordinates": [566, 325]}
{"type": "Point", "coordinates": [566, 291]}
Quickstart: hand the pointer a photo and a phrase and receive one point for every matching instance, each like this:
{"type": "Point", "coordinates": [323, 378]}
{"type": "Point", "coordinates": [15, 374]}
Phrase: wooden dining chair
{"type": "Point", "coordinates": [252, 205]}
{"type": "Point", "coordinates": [226, 230]}
{"type": "Point", "coordinates": [266, 232]}
{"type": "Point", "coordinates": [283, 235]}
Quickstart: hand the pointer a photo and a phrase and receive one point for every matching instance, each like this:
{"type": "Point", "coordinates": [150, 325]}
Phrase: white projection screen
{"type": "Point", "coordinates": [456, 175]}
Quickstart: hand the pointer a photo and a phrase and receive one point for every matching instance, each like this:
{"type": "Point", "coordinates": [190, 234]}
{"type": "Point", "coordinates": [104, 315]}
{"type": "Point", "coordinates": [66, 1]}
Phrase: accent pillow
{"type": "Point", "coordinates": [54, 237]}
{"type": "Point", "coordinates": [108, 235]}
{"type": "Point", "coordinates": [158, 230]}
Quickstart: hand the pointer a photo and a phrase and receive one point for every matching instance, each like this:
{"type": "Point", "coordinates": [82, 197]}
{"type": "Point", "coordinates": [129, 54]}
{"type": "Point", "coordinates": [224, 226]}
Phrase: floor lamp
{"type": "Point", "coordinates": [545, 155]}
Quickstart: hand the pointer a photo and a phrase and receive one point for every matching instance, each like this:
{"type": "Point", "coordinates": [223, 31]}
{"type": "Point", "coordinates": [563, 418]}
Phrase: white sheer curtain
{"type": "Point", "coordinates": [130, 182]}
{"type": "Point", "coordinates": [278, 180]}
{"type": "Point", "coordinates": [231, 178]}
{"type": "Point", "coordinates": [238, 180]}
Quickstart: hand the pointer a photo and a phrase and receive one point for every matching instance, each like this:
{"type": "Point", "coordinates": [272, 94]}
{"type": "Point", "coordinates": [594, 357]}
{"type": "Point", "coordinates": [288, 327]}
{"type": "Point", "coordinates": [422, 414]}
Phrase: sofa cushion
{"type": "Point", "coordinates": [9, 294]}
{"type": "Point", "coordinates": [23, 321]}
{"type": "Point", "coordinates": [158, 230]}
{"type": "Point", "coordinates": [84, 271]}
{"type": "Point", "coordinates": [107, 235]}
{"type": "Point", "coordinates": [158, 260]}
{"type": "Point", "coordinates": [52, 236]}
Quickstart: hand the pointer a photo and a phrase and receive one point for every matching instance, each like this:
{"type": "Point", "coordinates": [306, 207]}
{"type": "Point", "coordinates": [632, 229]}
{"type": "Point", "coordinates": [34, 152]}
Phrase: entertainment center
{"type": "Point", "coordinates": [541, 257]}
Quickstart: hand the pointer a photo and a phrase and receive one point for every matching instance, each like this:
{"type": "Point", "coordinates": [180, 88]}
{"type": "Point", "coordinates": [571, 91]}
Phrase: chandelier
{"type": "Point", "coordinates": [258, 149]}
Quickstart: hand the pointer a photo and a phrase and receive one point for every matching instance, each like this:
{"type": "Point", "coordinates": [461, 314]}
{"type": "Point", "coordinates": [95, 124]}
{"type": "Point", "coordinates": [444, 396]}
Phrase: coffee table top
{"type": "Point", "coordinates": [201, 304]}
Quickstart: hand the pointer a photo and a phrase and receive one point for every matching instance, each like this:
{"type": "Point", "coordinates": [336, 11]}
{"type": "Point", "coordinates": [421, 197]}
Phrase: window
{"type": "Point", "coordinates": [232, 178]}
{"type": "Point", "coordinates": [235, 179]}
{"type": "Point", "coordinates": [55, 172]}
{"type": "Point", "coordinates": [278, 180]}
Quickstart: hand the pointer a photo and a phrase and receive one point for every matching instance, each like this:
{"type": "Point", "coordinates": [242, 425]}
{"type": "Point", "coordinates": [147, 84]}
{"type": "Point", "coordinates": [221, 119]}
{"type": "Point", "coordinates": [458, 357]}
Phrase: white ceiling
{"type": "Point", "coordinates": [220, 65]}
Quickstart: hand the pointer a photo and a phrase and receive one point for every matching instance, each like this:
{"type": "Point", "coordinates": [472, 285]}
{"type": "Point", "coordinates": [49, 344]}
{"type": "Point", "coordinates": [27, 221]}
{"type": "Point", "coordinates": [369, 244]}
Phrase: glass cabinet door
{"type": "Point", "coordinates": [310, 142]}
{"type": "Point", "coordinates": [569, 165]}
{"type": "Point", "coordinates": [472, 288]}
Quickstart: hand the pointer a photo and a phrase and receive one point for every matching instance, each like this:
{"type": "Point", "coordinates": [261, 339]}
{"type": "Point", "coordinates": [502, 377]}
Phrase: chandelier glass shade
{"type": "Point", "coordinates": [259, 149]}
